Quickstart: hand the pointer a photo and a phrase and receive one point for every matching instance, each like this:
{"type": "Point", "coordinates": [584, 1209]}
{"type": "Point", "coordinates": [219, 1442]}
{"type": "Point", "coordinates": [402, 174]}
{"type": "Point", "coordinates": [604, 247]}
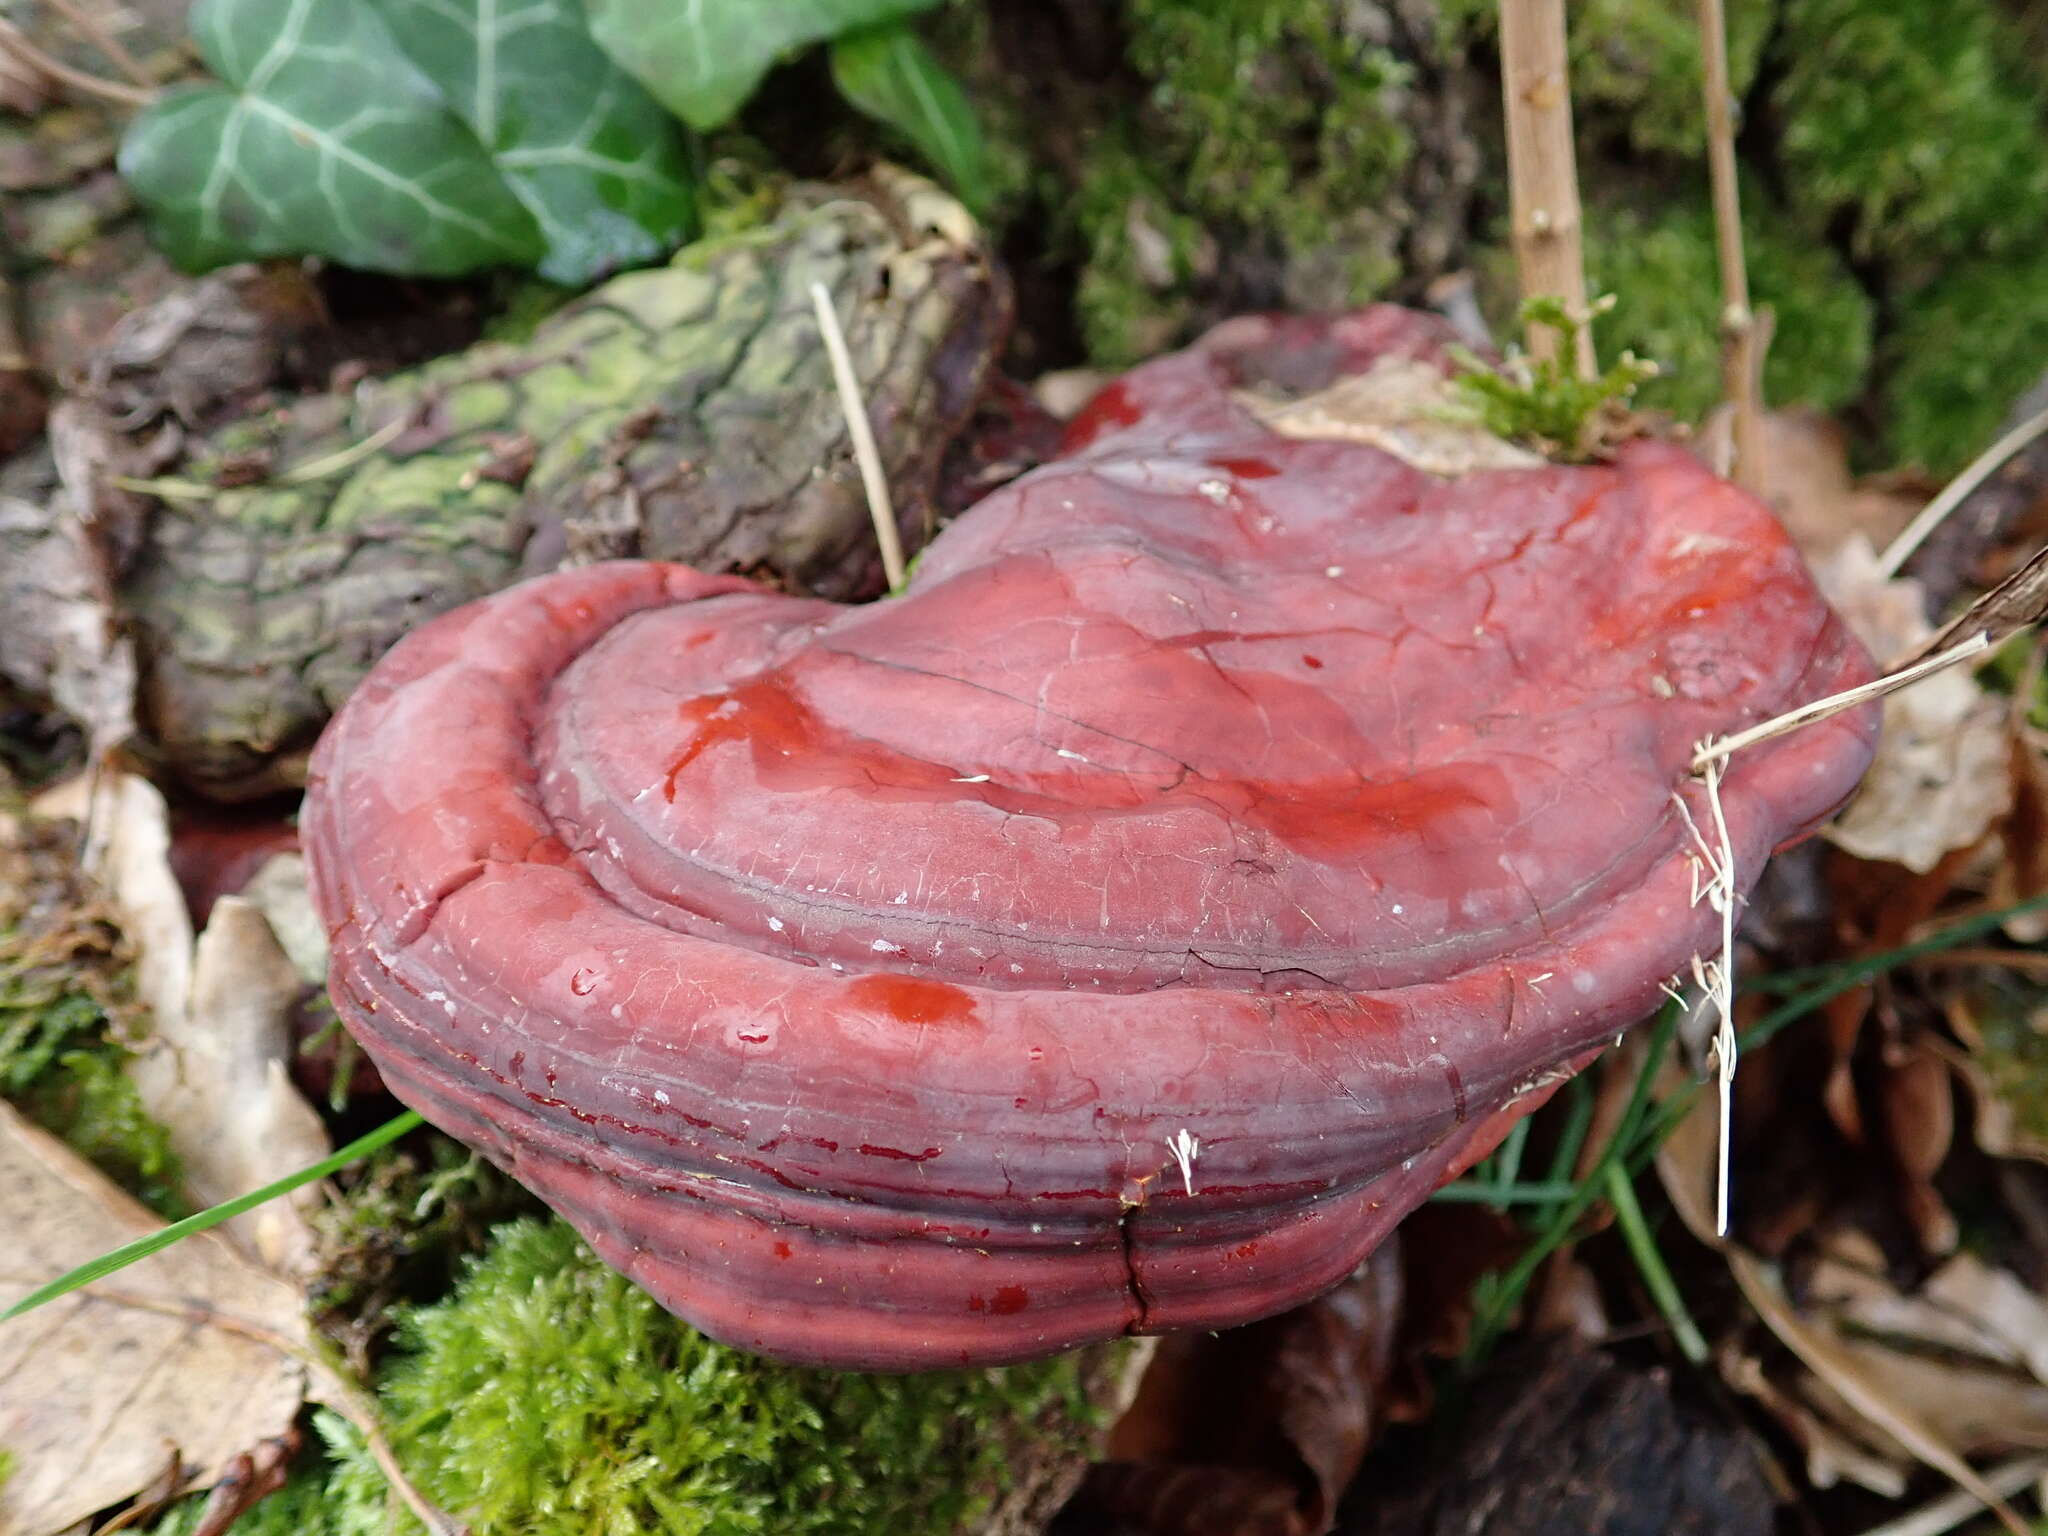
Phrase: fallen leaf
{"type": "Point", "coordinates": [1975, 1408]}
{"type": "Point", "coordinates": [1919, 1112]}
{"type": "Point", "coordinates": [194, 1351]}
{"type": "Point", "coordinates": [1967, 1307]}
{"type": "Point", "coordinates": [2023, 873]}
{"type": "Point", "coordinates": [1883, 1391]}
{"type": "Point", "coordinates": [1942, 776]}
{"type": "Point", "coordinates": [279, 891]}
{"type": "Point", "coordinates": [214, 1071]}
{"type": "Point", "coordinates": [1256, 1431]}
{"type": "Point", "coordinates": [1873, 1398]}
{"type": "Point", "coordinates": [1831, 1453]}
{"type": "Point", "coordinates": [1403, 406]}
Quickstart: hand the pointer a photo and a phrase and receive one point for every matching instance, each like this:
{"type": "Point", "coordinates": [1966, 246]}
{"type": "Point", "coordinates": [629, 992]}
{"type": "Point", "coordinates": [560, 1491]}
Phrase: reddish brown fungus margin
{"type": "Point", "coordinates": [1221, 842]}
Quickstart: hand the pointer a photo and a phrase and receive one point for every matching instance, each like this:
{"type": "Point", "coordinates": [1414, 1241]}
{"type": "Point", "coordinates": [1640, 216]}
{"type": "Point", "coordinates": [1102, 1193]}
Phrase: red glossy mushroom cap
{"type": "Point", "coordinates": [1220, 841]}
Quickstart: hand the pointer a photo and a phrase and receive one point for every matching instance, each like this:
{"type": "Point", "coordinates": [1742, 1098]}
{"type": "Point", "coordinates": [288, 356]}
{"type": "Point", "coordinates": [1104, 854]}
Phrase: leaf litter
{"type": "Point", "coordinates": [214, 1071]}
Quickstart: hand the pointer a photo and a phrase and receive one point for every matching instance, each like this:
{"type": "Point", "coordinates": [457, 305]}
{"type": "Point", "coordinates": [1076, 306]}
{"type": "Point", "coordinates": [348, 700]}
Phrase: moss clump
{"type": "Point", "coordinates": [1267, 125]}
{"type": "Point", "coordinates": [1544, 404]}
{"type": "Point", "coordinates": [1660, 265]}
{"type": "Point", "coordinates": [67, 1005]}
{"type": "Point", "coordinates": [549, 1397]}
{"type": "Point", "coordinates": [1911, 119]}
{"type": "Point", "coordinates": [1136, 293]}
{"type": "Point", "coordinates": [1635, 64]}
{"type": "Point", "coordinates": [400, 1232]}
{"type": "Point", "coordinates": [1966, 347]}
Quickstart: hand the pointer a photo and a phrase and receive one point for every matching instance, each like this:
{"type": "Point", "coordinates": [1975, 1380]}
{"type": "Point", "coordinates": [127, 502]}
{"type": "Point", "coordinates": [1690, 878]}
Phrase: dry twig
{"type": "Point", "coordinates": [1742, 338]}
{"type": "Point", "coordinates": [88, 27]}
{"type": "Point", "coordinates": [1957, 491]}
{"type": "Point", "coordinates": [1715, 748]}
{"type": "Point", "coordinates": [14, 44]}
{"type": "Point", "coordinates": [872, 479]}
{"type": "Point", "coordinates": [1543, 176]}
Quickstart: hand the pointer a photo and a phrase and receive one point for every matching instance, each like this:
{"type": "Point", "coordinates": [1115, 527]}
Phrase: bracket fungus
{"type": "Point", "coordinates": [1221, 841]}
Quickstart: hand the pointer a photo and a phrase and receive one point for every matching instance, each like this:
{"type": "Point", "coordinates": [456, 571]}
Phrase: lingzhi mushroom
{"type": "Point", "coordinates": [1225, 837]}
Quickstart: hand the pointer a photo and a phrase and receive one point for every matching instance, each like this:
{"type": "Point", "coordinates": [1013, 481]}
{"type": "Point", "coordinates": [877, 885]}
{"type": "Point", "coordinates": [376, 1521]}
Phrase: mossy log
{"type": "Point", "coordinates": [684, 413]}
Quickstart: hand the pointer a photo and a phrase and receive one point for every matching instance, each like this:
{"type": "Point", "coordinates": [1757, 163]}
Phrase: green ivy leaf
{"type": "Point", "coordinates": [324, 139]}
{"type": "Point", "coordinates": [593, 157]}
{"type": "Point", "coordinates": [704, 58]}
{"type": "Point", "coordinates": [888, 74]}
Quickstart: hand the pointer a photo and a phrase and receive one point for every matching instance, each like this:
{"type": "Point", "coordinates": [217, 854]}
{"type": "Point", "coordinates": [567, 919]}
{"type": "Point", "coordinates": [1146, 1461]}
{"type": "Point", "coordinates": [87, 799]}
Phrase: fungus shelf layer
{"type": "Point", "coordinates": [1220, 843]}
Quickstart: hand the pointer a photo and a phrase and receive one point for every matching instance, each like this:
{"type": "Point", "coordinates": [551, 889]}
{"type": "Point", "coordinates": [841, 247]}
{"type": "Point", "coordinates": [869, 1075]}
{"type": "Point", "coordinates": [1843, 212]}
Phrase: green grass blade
{"type": "Point", "coordinates": [1507, 1160]}
{"type": "Point", "coordinates": [1564, 1157]}
{"type": "Point", "coordinates": [1809, 977]}
{"type": "Point", "coordinates": [1490, 1320]}
{"type": "Point", "coordinates": [1628, 1215]}
{"type": "Point", "coordinates": [128, 1253]}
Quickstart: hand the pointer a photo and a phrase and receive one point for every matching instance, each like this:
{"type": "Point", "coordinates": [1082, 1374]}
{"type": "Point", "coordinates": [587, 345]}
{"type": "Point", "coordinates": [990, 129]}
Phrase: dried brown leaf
{"type": "Point", "coordinates": [1884, 1398]}
{"type": "Point", "coordinates": [1941, 778]}
{"type": "Point", "coordinates": [1832, 1453]}
{"type": "Point", "coordinates": [1919, 1112]}
{"type": "Point", "coordinates": [1974, 1408]}
{"type": "Point", "coordinates": [1403, 406]}
{"type": "Point", "coordinates": [1856, 1385]}
{"type": "Point", "coordinates": [1255, 1432]}
{"type": "Point", "coordinates": [214, 1072]}
{"type": "Point", "coordinates": [194, 1351]}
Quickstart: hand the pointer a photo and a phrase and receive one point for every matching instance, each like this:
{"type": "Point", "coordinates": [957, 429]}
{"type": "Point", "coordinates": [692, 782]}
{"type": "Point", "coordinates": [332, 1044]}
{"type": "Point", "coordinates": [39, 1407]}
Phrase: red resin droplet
{"type": "Point", "coordinates": [912, 1000]}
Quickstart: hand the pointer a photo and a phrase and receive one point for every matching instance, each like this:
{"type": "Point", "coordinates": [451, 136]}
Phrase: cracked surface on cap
{"type": "Point", "coordinates": [1220, 843]}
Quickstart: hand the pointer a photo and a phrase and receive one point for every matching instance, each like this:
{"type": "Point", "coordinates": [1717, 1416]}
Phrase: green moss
{"type": "Point", "coordinates": [1636, 64]}
{"type": "Point", "coordinates": [402, 1227]}
{"type": "Point", "coordinates": [66, 1005]}
{"type": "Point", "coordinates": [2012, 1053]}
{"type": "Point", "coordinates": [548, 1395]}
{"type": "Point", "coordinates": [1135, 294]}
{"type": "Point", "coordinates": [1965, 348]}
{"type": "Point", "coordinates": [1911, 119]}
{"type": "Point", "coordinates": [86, 1099]}
{"type": "Point", "coordinates": [1266, 122]}
{"type": "Point", "coordinates": [1246, 146]}
{"type": "Point", "coordinates": [1544, 404]}
{"type": "Point", "coordinates": [1660, 265]}
{"type": "Point", "coordinates": [1640, 60]}
{"type": "Point", "coordinates": [520, 302]}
